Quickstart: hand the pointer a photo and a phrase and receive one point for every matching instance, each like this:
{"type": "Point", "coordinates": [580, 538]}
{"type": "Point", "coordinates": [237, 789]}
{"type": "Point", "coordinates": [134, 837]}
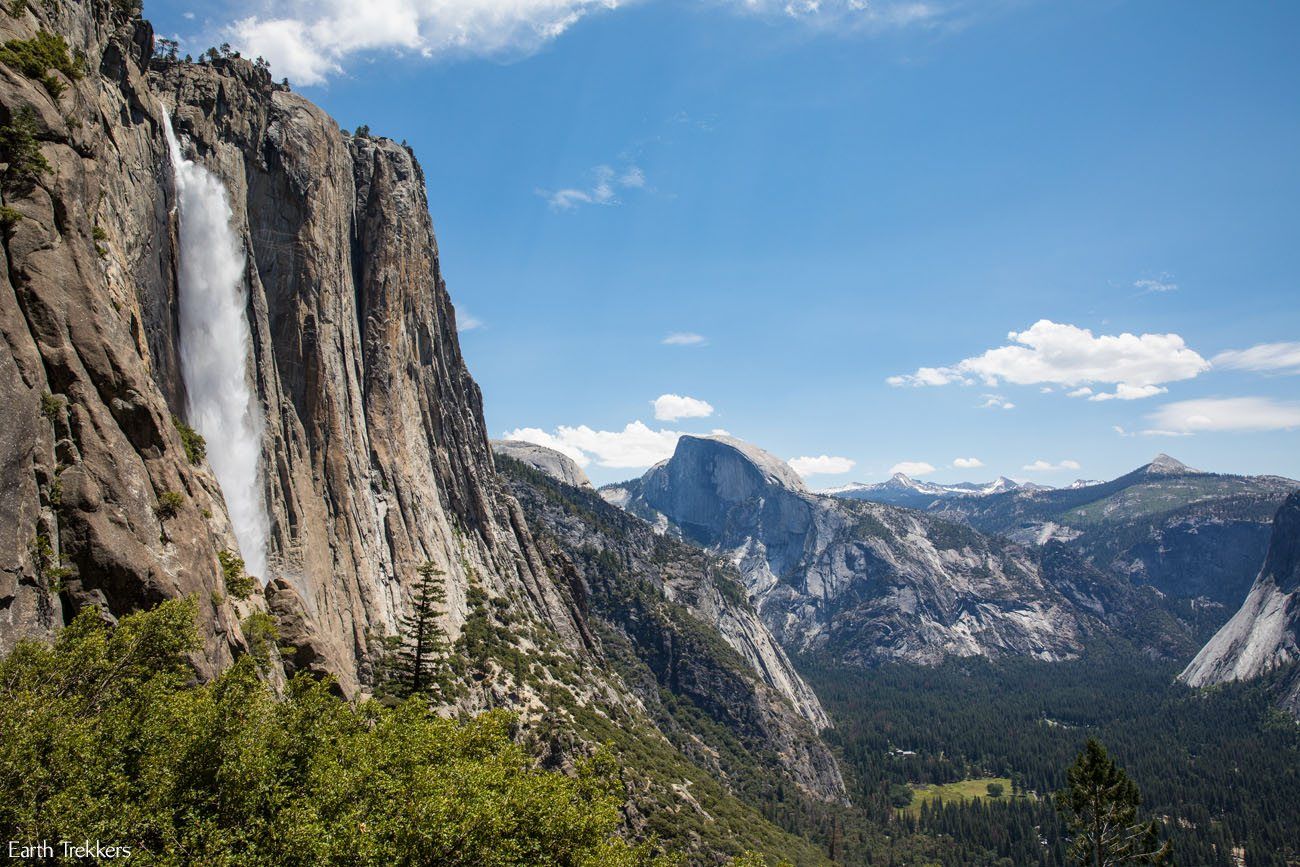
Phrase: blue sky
{"type": "Point", "coordinates": [853, 207]}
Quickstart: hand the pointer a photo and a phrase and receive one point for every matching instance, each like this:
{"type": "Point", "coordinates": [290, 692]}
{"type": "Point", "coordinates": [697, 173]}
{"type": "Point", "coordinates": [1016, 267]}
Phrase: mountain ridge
{"type": "Point", "coordinates": [875, 581]}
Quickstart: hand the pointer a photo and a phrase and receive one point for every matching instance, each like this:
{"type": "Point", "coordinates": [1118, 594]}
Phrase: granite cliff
{"type": "Point", "coordinates": [373, 453]}
{"type": "Point", "coordinates": [1264, 634]}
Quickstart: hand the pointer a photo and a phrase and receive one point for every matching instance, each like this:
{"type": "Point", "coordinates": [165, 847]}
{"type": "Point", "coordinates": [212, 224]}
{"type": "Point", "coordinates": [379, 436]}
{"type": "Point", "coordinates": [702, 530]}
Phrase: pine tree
{"type": "Point", "coordinates": [1100, 805]}
{"type": "Point", "coordinates": [414, 660]}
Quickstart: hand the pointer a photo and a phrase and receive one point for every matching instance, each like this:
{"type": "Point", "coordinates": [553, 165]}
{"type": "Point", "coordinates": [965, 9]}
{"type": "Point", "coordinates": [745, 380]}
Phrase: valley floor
{"type": "Point", "coordinates": [1219, 768]}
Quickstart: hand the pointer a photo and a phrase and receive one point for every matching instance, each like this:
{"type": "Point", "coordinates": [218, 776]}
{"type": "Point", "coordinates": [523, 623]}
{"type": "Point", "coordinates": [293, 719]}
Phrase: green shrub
{"type": "Point", "coordinates": [196, 447]}
{"type": "Point", "coordinates": [48, 563]}
{"type": "Point", "coordinates": [128, 8]}
{"type": "Point", "coordinates": [21, 150]}
{"type": "Point", "coordinates": [261, 633]}
{"type": "Point", "coordinates": [51, 407]}
{"type": "Point", "coordinates": [39, 57]}
{"type": "Point", "coordinates": [169, 505]}
{"type": "Point", "coordinates": [238, 583]}
{"type": "Point", "coordinates": [104, 737]}
{"type": "Point", "coordinates": [9, 217]}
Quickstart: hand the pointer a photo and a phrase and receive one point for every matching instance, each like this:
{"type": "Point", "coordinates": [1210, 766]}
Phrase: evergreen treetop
{"type": "Point", "coordinates": [1100, 806]}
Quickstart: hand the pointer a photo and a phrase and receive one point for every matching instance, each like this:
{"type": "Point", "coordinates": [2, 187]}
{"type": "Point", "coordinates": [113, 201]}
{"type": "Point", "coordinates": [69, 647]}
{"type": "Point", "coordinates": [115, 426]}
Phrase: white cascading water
{"type": "Point", "coordinates": [216, 346]}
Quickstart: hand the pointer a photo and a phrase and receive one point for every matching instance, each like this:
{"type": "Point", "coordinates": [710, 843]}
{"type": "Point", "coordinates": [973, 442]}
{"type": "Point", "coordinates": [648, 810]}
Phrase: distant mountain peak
{"type": "Point", "coordinates": [1163, 465]}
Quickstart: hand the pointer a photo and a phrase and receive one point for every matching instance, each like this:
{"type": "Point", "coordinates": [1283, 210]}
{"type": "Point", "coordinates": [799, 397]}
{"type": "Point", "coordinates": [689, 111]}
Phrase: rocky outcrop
{"type": "Point", "coordinates": [657, 608]}
{"type": "Point", "coordinates": [557, 466]}
{"type": "Point", "coordinates": [1265, 633]}
{"type": "Point", "coordinates": [867, 581]}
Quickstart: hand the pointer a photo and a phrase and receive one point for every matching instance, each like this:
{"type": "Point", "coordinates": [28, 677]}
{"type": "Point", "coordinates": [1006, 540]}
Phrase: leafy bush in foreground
{"type": "Point", "coordinates": [103, 737]}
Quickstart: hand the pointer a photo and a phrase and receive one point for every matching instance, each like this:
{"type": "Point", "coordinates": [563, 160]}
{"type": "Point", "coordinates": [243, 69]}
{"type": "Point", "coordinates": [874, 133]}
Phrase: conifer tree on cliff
{"type": "Point", "coordinates": [414, 659]}
{"type": "Point", "coordinates": [1100, 805]}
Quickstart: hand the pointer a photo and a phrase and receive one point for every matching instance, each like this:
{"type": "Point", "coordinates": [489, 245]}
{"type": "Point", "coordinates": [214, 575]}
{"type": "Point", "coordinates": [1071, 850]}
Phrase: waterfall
{"type": "Point", "coordinates": [216, 348]}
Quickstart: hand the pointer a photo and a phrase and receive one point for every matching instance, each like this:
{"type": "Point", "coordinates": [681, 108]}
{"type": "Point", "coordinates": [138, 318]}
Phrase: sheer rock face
{"type": "Point", "coordinates": [86, 439]}
{"type": "Point", "coordinates": [1265, 633]}
{"type": "Point", "coordinates": [375, 438]}
{"type": "Point", "coordinates": [653, 602]}
{"type": "Point", "coordinates": [374, 455]}
{"type": "Point", "coordinates": [868, 581]}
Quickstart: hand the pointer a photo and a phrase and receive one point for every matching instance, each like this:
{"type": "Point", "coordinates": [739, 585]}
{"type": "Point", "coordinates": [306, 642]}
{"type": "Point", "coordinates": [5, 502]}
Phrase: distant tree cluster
{"type": "Point", "coordinates": [1218, 769]}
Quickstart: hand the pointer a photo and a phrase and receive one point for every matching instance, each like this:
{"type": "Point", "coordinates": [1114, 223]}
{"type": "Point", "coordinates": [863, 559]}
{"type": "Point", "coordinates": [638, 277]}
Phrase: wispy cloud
{"type": "Point", "coordinates": [1264, 358]}
{"type": "Point", "coordinates": [603, 189]}
{"type": "Point", "coordinates": [1212, 414]}
{"type": "Point", "coordinates": [684, 338]}
{"type": "Point", "coordinates": [967, 463]}
{"type": "Point", "coordinates": [996, 401]}
{"type": "Point", "coordinates": [1163, 283]}
{"type": "Point", "coordinates": [466, 321]}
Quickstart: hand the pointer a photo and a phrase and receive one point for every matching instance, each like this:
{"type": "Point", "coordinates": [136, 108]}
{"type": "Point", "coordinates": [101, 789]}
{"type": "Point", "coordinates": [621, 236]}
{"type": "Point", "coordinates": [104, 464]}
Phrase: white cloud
{"type": "Point", "coordinates": [912, 468]}
{"type": "Point", "coordinates": [684, 338]}
{"type": "Point", "coordinates": [1124, 391]}
{"type": "Point", "coordinates": [633, 178]}
{"type": "Point", "coordinates": [1081, 391]}
{"type": "Point", "coordinates": [636, 445]}
{"type": "Point", "coordinates": [311, 40]}
{"type": "Point", "coordinates": [967, 463]}
{"type": "Point", "coordinates": [1266, 357]}
{"type": "Point", "coordinates": [671, 407]}
{"type": "Point", "coordinates": [466, 321]}
{"type": "Point", "coordinates": [1163, 284]}
{"type": "Point", "coordinates": [1225, 414]}
{"type": "Point", "coordinates": [1066, 355]}
{"type": "Point", "coordinates": [996, 401]}
{"type": "Point", "coordinates": [1042, 466]}
{"type": "Point", "coordinates": [603, 190]}
{"type": "Point", "coordinates": [822, 464]}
